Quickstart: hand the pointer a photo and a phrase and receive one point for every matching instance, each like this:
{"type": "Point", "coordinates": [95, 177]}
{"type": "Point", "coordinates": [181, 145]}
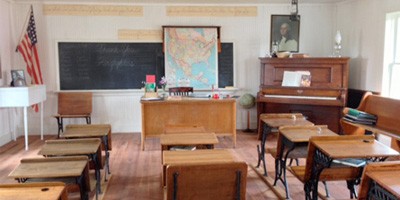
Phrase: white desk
{"type": "Point", "coordinates": [24, 97]}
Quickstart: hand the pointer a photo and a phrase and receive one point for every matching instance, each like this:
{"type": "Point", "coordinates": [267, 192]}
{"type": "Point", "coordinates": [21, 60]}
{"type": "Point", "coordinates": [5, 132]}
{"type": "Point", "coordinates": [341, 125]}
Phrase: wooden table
{"type": "Point", "coordinates": [328, 150]}
{"type": "Point", "coordinates": [188, 139]}
{"type": "Point", "coordinates": [195, 157]}
{"type": "Point", "coordinates": [291, 138]}
{"type": "Point", "coordinates": [24, 97]}
{"type": "Point", "coordinates": [75, 167]}
{"type": "Point", "coordinates": [276, 121]}
{"type": "Point", "coordinates": [102, 131]}
{"type": "Point", "coordinates": [33, 191]}
{"type": "Point", "coordinates": [74, 147]}
{"type": "Point", "coordinates": [218, 116]}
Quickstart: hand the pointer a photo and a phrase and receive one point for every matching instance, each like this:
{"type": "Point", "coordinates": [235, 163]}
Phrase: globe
{"type": "Point", "coordinates": [247, 101]}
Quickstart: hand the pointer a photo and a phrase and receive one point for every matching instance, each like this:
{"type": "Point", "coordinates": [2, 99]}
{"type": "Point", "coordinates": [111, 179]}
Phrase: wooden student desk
{"type": "Point", "coordinates": [74, 167]}
{"type": "Point", "coordinates": [102, 131]}
{"type": "Point", "coordinates": [188, 139]}
{"type": "Point", "coordinates": [331, 148]}
{"type": "Point", "coordinates": [291, 138]}
{"type": "Point", "coordinates": [74, 147]}
{"type": "Point", "coordinates": [274, 121]}
{"type": "Point", "coordinates": [381, 181]}
{"type": "Point", "coordinates": [31, 191]}
{"type": "Point", "coordinates": [195, 157]}
{"type": "Point", "coordinates": [218, 116]}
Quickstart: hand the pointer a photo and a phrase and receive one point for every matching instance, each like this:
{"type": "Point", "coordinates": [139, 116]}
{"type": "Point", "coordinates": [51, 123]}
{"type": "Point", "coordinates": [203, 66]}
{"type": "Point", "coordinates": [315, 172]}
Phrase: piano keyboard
{"type": "Point", "coordinates": [300, 97]}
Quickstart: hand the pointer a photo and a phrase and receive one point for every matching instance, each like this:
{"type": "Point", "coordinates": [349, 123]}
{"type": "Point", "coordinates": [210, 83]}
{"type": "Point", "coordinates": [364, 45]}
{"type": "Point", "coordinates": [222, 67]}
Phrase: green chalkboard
{"type": "Point", "coordinates": [109, 66]}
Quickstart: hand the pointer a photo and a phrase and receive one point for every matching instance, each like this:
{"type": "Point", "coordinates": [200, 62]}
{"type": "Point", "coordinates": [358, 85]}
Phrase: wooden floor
{"type": "Point", "coordinates": [136, 174]}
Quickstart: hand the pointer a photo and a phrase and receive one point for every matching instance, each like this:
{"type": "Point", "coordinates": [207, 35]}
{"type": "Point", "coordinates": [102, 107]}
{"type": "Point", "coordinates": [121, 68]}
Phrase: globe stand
{"type": "Point", "coordinates": [248, 130]}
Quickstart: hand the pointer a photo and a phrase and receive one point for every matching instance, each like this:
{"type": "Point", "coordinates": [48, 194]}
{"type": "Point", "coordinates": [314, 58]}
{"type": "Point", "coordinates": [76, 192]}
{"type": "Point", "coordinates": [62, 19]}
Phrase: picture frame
{"type": "Point", "coordinates": [282, 26]}
{"type": "Point", "coordinates": [18, 78]}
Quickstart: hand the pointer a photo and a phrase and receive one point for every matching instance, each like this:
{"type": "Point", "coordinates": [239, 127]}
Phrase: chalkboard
{"type": "Point", "coordinates": [105, 66]}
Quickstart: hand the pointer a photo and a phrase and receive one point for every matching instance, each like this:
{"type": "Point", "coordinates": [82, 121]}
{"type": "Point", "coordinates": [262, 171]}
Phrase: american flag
{"type": "Point", "coordinates": [27, 48]}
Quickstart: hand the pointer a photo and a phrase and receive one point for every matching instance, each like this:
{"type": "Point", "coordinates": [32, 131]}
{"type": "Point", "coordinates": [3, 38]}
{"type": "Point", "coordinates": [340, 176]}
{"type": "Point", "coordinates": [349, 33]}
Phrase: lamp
{"type": "Point", "coordinates": [294, 10]}
{"type": "Point", "coordinates": [338, 44]}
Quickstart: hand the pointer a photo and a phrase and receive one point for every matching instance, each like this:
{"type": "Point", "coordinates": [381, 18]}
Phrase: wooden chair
{"type": "Point", "coordinates": [216, 181]}
{"type": "Point", "coordinates": [391, 167]}
{"type": "Point", "coordinates": [180, 91]}
{"type": "Point", "coordinates": [73, 105]}
{"type": "Point", "coordinates": [334, 173]}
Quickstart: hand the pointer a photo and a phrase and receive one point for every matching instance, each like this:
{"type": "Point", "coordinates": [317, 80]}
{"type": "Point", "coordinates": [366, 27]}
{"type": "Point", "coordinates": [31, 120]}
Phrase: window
{"type": "Point", "coordinates": [391, 72]}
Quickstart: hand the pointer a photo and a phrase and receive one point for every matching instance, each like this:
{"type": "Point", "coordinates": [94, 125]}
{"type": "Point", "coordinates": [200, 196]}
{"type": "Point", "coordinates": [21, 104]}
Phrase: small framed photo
{"type": "Point", "coordinates": [305, 80]}
{"type": "Point", "coordinates": [284, 34]}
{"type": "Point", "coordinates": [18, 78]}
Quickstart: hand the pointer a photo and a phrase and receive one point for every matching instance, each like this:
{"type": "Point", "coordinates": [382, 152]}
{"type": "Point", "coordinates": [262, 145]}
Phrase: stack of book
{"type": "Point", "coordinates": [360, 117]}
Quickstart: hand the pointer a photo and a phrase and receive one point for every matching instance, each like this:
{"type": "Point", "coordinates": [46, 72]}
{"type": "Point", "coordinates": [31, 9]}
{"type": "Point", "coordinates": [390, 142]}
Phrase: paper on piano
{"type": "Point", "coordinates": [293, 78]}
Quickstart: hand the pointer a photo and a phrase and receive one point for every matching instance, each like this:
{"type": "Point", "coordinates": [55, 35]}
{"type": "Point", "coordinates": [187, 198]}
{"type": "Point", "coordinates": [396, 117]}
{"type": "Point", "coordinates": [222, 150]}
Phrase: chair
{"type": "Point", "coordinates": [180, 91]}
{"type": "Point", "coordinates": [216, 181]}
{"type": "Point", "coordinates": [73, 105]}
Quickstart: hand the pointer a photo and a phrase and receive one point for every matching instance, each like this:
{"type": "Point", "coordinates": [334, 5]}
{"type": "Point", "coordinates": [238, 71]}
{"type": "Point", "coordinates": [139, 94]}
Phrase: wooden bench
{"type": "Point", "coordinates": [386, 175]}
{"type": "Point", "coordinates": [217, 181]}
{"type": "Point", "coordinates": [333, 173]}
{"type": "Point", "coordinates": [73, 105]}
{"type": "Point", "coordinates": [387, 111]}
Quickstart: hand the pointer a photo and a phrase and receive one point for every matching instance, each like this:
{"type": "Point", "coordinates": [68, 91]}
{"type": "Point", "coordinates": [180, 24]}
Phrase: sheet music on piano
{"type": "Point", "coordinates": [293, 78]}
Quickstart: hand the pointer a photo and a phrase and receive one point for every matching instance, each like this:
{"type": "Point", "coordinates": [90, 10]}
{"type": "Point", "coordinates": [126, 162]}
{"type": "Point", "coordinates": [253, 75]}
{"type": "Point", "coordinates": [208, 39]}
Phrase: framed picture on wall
{"type": "Point", "coordinates": [18, 78]}
{"type": "Point", "coordinates": [284, 34]}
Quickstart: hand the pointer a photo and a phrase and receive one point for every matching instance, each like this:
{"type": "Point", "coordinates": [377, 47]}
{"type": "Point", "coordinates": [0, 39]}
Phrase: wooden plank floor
{"type": "Point", "coordinates": [136, 174]}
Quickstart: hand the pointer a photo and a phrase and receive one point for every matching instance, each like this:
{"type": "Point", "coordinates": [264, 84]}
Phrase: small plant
{"type": "Point", "coordinates": [163, 82]}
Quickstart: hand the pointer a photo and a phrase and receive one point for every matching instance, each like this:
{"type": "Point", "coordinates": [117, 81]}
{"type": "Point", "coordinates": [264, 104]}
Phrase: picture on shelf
{"type": "Point", "coordinates": [18, 78]}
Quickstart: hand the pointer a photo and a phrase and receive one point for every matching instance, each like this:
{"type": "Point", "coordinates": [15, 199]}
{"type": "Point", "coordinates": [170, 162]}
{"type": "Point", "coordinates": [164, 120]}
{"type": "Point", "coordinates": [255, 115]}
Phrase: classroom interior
{"type": "Point", "coordinates": [365, 52]}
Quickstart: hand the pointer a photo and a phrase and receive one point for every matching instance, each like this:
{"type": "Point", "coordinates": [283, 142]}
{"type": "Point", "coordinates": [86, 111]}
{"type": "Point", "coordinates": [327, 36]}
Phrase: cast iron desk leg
{"type": "Point", "coordinates": [261, 148]}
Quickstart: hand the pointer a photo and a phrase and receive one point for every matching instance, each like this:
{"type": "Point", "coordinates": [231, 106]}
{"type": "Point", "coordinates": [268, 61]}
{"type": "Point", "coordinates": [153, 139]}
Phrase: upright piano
{"type": "Point", "coordinates": [321, 103]}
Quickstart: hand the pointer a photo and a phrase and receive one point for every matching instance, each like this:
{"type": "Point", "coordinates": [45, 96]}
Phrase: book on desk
{"type": "Point", "coordinates": [351, 162]}
{"type": "Point", "coordinates": [359, 117]}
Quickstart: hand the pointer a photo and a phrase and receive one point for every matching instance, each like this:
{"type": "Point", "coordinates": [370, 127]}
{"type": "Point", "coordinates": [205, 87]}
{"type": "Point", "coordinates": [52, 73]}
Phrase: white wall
{"type": "Point", "coordinates": [122, 109]}
{"type": "Point", "coordinates": [362, 23]}
{"type": "Point", "coordinates": [6, 125]}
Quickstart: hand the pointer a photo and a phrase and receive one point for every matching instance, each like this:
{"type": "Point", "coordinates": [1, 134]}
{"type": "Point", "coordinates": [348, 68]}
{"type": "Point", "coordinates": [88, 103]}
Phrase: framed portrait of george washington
{"type": "Point", "coordinates": [284, 34]}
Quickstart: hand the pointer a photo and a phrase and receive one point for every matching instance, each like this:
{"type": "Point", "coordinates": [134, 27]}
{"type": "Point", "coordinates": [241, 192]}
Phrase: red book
{"type": "Point", "coordinates": [150, 78]}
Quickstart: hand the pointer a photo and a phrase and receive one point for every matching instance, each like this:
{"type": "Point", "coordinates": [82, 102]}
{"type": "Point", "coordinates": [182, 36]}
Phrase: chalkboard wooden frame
{"type": "Point", "coordinates": [229, 79]}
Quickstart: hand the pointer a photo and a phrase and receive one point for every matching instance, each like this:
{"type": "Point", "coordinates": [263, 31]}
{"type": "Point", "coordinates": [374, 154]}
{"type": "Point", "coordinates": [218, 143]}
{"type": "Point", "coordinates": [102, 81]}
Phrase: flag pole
{"type": "Point", "coordinates": [24, 27]}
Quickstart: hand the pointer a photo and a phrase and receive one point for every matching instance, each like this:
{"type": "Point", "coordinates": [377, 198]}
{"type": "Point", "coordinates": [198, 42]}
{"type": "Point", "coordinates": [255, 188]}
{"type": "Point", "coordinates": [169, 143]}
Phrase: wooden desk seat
{"type": "Point", "coordinates": [183, 128]}
{"type": "Point", "coordinates": [388, 173]}
{"type": "Point", "coordinates": [213, 181]}
{"type": "Point", "coordinates": [387, 111]}
{"type": "Point", "coordinates": [73, 105]}
{"type": "Point", "coordinates": [42, 191]}
{"type": "Point", "coordinates": [87, 129]}
{"type": "Point", "coordinates": [275, 115]}
{"type": "Point", "coordinates": [336, 172]}
{"type": "Point", "coordinates": [72, 170]}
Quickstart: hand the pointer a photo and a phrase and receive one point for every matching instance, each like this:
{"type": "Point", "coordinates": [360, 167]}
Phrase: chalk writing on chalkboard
{"type": "Point", "coordinates": [108, 66]}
